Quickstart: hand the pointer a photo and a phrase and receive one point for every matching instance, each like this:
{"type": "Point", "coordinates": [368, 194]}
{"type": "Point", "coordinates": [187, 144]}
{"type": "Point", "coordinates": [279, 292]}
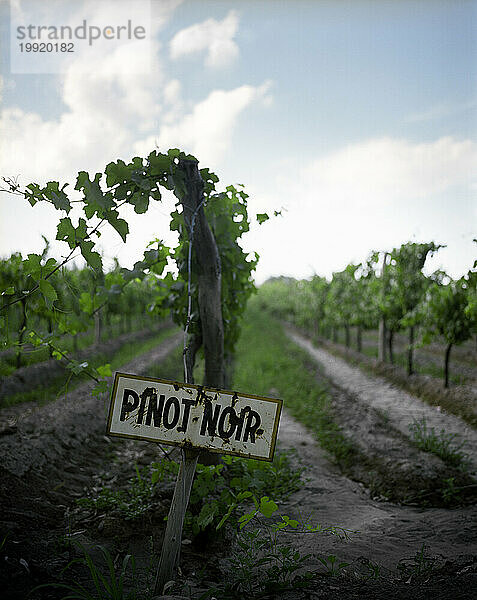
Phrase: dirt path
{"type": "Point", "coordinates": [400, 408]}
{"type": "Point", "coordinates": [50, 455]}
{"type": "Point", "coordinates": [385, 532]}
{"type": "Point", "coordinates": [40, 435]}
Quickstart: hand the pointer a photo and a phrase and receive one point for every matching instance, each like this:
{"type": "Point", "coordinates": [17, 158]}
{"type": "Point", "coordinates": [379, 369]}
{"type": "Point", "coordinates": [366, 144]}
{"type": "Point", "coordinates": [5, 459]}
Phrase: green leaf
{"type": "Point", "coordinates": [9, 291]}
{"type": "Point", "coordinates": [120, 225]}
{"type": "Point", "coordinates": [76, 367]}
{"type": "Point", "coordinates": [66, 232]}
{"type": "Point", "coordinates": [267, 506]}
{"type": "Point", "coordinates": [94, 199]}
{"type": "Point", "coordinates": [57, 197]}
{"type": "Point", "coordinates": [92, 258]}
{"type": "Point", "coordinates": [32, 266]}
{"type": "Point", "coordinates": [207, 514]}
{"type": "Point", "coordinates": [116, 172]}
{"type": "Point", "coordinates": [48, 291]}
{"type": "Point", "coordinates": [160, 164]}
{"type": "Point", "coordinates": [104, 370]}
{"type": "Point", "coordinates": [140, 201]}
{"type": "Point", "coordinates": [262, 217]}
{"type": "Point", "coordinates": [86, 303]}
{"type": "Point", "coordinates": [34, 195]}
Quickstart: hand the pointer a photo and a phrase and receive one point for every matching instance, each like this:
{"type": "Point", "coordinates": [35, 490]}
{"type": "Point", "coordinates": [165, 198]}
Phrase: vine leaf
{"type": "Point", "coordinates": [94, 199]}
{"type": "Point", "coordinates": [116, 172]}
{"type": "Point", "coordinates": [65, 232]}
{"type": "Point", "coordinates": [262, 217]}
{"type": "Point", "coordinates": [119, 224]}
{"type": "Point", "coordinates": [92, 258]}
{"type": "Point", "coordinates": [48, 292]}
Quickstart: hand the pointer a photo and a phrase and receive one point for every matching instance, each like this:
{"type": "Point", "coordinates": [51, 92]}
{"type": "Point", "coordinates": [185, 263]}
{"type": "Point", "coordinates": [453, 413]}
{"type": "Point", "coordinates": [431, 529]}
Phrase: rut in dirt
{"type": "Point", "coordinates": [400, 408]}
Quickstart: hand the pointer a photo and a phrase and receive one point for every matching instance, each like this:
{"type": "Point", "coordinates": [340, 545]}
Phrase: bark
{"type": "Point", "coordinates": [382, 340]}
{"type": "Point", "coordinates": [21, 333]}
{"type": "Point", "coordinates": [347, 336]}
{"type": "Point", "coordinates": [193, 345]}
{"type": "Point", "coordinates": [208, 270]}
{"type": "Point", "coordinates": [359, 338]}
{"type": "Point", "coordinates": [446, 365]}
{"type": "Point", "coordinates": [410, 351]}
{"type": "Point", "coordinates": [175, 522]}
{"type": "Point", "coordinates": [390, 346]}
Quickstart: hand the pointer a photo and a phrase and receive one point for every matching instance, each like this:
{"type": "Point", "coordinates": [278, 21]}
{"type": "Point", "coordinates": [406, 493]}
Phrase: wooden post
{"type": "Point", "coordinates": [175, 521]}
{"type": "Point", "coordinates": [208, 274]}
{"type": "Point", "coordinates": [382, 321]}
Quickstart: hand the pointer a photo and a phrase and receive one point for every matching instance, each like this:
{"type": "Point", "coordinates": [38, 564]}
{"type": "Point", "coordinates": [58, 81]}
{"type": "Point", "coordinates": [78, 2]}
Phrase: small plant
{"type": "Point", "coordinates": [132, 502]}
{"type": "Point", "coordinates": [421, 564]}
{"type": "Point", "coordinates": [332, 564]}
{"type": "Point", "coordinates": [261, 566]}
{"type": "Point", "coordinates": [368, 569]}
{"type": "Point", "coordinates": [442, 444]}
{"type": "Point", "coordinates": [106, 581]}
{"type": "Point", "coordinates": [451, 492]}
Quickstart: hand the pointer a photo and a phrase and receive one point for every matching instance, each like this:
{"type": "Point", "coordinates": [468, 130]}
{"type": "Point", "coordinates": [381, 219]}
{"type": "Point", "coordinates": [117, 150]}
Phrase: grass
{"type": "Point", "coordinates": [441, 444]}
{"type": "Point", "coordinates": [269, 364]}
{"type": "Point", "coordinates": [63, 384]}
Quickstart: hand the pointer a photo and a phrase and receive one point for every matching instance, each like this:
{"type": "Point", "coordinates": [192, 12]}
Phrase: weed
{"type": "Point", "coordinates": [369, 569]}
{"type": "Point", "coordinates": [333, 566]}
{"type": "Point", "coordinates": [451, 492]}
{"type": "Point", "coordinates": [442, 444]}
{"type": "Point", "coordinates": [260, 566]}
{"type": "Point", "coordinates": [421, 564]}
{"type": "Point", "coordinates": [106, 581]}
{"type": "Point", "coordinates": [131, 502]}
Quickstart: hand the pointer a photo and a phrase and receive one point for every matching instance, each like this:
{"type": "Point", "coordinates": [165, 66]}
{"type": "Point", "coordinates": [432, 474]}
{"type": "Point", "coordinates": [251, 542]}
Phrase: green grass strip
{"type": "Point", "coordinates": [268, 363]}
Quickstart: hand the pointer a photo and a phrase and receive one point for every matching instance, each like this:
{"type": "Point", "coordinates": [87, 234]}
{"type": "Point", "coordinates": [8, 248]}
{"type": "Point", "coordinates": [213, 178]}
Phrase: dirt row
{"type": "Point", "coordinates": [58, 453]}
{"type": "Point", "coordinates": [396, 407]}
{"type": "Point", "coordinates": [51, 456]}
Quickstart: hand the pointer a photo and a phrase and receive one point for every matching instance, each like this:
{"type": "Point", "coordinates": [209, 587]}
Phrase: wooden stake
{"type": "Point", "coordinates": [173, 536]}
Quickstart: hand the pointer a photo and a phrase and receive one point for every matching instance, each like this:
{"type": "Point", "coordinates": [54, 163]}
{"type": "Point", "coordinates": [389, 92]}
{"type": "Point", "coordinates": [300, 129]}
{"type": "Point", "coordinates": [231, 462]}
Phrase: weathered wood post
{"type": "Point", "coordinates": [208, 271]}
{"type": "Point", "coordinates": [382, 334]}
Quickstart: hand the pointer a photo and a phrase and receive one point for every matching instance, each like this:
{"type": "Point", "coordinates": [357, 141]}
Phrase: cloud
{"type": "Point", "coordinates": [441, 111]}
{"type": "Point", "coordinates": [385, 171]}
{"type": "Point", "coordinates": [215, 37]}
{"type": "Point", "coordinates": [207, 130]}
{"type": "Point", "coordinates": [378, 193]}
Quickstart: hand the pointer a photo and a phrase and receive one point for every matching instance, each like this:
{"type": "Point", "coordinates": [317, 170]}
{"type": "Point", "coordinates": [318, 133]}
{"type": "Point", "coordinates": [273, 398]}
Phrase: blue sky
{"type": "Point", "coordinates": [358, 118]}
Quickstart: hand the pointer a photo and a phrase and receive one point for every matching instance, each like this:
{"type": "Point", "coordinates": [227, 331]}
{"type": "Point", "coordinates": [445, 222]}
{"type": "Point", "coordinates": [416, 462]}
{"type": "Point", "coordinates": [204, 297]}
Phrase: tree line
{"type": "Point", "coordinates": [389, 292]}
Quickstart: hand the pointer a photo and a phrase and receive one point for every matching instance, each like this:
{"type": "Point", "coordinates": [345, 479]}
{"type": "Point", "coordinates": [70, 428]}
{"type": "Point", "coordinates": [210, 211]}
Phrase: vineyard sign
{"type": "Point", "coordinates": [192, 416]}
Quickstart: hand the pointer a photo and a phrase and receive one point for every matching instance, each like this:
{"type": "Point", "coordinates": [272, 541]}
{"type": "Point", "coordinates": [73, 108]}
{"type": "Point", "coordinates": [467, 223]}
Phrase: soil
{"type": "Point", "coordinates": [54, 454]}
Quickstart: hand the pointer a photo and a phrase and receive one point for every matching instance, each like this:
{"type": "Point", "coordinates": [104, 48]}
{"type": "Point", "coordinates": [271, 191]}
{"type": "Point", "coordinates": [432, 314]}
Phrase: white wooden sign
{"type": "Point", "coordinates": [192, 416]}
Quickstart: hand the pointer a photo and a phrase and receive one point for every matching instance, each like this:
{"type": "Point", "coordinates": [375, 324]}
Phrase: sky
{"type": "Point", "coordinates": [357, 119]}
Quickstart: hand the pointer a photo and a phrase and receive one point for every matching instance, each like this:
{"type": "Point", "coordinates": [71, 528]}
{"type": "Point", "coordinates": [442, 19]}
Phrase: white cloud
{"type": "Point", "coordinates": [376, 194]}
{"type": "Point", "coordinates": [207, 130]}
{"type": "Point", "coordinates": [385, 171]}
{"type": "Point", "coordinates": [441, 111]}
{"type": "Point", "coordinates": [215, 37]}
